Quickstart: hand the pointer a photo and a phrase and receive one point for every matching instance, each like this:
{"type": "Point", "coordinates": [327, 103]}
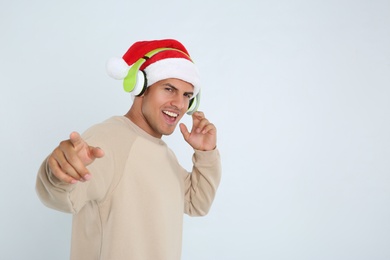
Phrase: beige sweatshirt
{"type": "Point", "coordinates": [133, 206]}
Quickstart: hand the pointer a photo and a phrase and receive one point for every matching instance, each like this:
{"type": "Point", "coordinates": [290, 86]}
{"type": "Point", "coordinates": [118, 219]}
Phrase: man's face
{"type": "Point", "coordinates": [164, 104]}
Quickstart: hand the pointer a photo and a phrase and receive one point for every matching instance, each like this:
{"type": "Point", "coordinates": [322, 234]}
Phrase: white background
{"type": "Point", "coordinates": [299, 91]}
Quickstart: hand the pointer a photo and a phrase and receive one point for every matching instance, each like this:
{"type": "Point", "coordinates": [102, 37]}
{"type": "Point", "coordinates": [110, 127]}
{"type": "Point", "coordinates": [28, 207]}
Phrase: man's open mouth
{"type": "Point", "coordinates": [171, 114]}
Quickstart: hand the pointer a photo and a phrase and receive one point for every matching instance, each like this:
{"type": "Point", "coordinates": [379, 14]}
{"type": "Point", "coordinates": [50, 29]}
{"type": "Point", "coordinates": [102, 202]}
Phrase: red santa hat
{"type": "Point", "coordinates": [171, 60]}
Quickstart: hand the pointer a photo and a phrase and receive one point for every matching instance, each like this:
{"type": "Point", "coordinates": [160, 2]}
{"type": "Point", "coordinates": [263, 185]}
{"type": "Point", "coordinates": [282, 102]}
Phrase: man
{"type": "Point", "coordinates": [123, 185]}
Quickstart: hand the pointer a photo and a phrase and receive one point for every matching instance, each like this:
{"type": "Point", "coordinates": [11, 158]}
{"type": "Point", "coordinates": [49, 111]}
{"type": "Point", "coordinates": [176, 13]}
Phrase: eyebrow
{"type": "Point", "coordinates": [175, 88]}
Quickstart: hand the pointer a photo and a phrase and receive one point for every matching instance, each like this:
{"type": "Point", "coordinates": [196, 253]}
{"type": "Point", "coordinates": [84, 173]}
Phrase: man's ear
{"type": "Point", "coordinates": [145, 92]}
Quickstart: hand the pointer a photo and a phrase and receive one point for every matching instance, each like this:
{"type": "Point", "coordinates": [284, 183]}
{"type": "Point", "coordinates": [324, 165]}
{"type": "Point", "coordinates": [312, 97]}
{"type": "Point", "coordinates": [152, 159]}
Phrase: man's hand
{"type": "Point", "coordinates": [203, 134]}
{"type": "Point", "coordinates": [69, 160]}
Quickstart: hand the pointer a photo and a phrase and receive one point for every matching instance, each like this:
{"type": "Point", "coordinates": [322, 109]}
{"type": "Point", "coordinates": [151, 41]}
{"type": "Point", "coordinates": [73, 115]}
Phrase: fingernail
{"type": "Point", "coordinates": [73, 182]}
{"type": "Point", "coordinates": [87, 177]}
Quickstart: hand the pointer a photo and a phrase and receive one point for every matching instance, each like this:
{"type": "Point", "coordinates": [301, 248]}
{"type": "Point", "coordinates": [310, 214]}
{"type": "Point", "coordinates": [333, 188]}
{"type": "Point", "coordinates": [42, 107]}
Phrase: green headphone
{"type": "Point", "coordinates": [136, 81]}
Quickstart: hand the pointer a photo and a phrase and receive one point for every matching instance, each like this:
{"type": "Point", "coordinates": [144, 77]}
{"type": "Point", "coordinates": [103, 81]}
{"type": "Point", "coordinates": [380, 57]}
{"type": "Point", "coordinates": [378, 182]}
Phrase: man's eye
{"type": "Point", "coordinates": [169, 89]}
{"type": "Point", "coordinates": [188, 95]}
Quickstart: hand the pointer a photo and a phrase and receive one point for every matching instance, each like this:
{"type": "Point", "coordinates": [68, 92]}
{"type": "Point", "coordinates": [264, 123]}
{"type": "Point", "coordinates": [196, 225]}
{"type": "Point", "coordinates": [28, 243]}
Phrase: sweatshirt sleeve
{"type": "Point", "coordinates": [201, 185]}
{"type": "Point", "coordinates": [51, 191]}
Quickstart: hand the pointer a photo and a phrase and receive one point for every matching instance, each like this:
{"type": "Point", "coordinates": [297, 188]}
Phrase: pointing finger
{"type": "Point", "coordinates": [96, 152]}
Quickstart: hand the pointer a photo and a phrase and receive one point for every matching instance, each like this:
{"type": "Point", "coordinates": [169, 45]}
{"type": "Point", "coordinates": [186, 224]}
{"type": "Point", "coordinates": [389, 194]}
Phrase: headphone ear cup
{"type": "Point", "coordinates": [194, 104]}
{"type": "Point", "coordinates": [140, 84]}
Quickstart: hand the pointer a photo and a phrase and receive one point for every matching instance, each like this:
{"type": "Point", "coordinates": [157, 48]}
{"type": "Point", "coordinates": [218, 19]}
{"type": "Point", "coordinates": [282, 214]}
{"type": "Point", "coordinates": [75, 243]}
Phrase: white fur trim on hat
{"type": "Point", "coordinates": [179, 68]}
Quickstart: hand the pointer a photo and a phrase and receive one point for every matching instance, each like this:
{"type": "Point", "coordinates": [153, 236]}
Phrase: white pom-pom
{"type": "Point", "coordinates": [117, 68]}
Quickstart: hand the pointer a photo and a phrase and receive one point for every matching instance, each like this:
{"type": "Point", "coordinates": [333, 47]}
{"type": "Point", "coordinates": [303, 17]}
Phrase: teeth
{"type": "Point", "coordinates": [170, 113]}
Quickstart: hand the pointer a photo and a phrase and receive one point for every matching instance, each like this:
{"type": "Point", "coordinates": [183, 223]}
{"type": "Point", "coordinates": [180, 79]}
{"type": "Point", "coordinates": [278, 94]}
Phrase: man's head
{"type": "Point", "coordinates": [163, 79]}
{"type": "Point", "coordinates": [147, 62]}
{"type": "Point", "coordinates": [160, 108]}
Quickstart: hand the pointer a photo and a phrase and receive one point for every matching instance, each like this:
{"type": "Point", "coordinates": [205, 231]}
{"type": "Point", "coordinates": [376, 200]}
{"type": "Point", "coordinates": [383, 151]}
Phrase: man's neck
{"type": "Point", "coordinates": [135, 115]}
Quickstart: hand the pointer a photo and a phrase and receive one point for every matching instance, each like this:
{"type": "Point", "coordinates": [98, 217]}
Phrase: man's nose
{"type": "Point", "coordinates": [179, 101]}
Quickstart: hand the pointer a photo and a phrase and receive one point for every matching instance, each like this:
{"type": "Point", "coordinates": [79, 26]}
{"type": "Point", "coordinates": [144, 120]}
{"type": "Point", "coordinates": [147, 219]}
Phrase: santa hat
{"type": "Point", "coordinates": [171, 60]}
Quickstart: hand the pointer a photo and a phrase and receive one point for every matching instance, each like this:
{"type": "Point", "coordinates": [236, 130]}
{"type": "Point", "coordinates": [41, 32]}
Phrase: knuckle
{"type": "Point", "coordinates": [55, 153]}
{"type": "Point", "coordinates": [63, 145]}
{"type": "Point", "coordinates": [64, 142]}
